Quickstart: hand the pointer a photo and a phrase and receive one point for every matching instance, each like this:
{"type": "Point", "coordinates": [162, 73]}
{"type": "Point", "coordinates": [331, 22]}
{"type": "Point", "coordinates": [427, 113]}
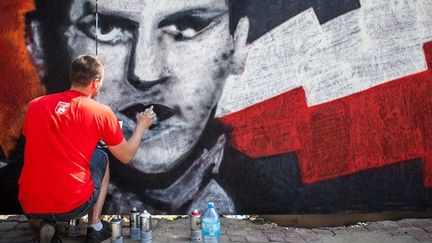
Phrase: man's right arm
{"type": "Point", "coordinates": [126, 150]}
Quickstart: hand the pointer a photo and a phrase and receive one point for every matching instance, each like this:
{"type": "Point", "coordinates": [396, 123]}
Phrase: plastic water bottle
{"type": "Point", "coordinates": [210, 223]}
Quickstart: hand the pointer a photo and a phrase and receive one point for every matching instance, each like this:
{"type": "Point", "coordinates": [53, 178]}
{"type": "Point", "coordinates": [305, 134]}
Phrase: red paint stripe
{"type": "Point", "coordinates": [383, 125]}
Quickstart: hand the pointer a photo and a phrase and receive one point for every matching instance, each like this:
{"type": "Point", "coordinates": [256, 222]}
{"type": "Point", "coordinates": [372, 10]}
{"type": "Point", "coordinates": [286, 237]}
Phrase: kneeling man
{"type": "Point", "coordinates": [64, 176]}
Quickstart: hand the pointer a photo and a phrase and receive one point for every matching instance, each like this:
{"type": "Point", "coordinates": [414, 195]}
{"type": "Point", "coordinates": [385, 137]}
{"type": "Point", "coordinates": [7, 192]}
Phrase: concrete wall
{"type": "Point", "coordinates": [265, 107]}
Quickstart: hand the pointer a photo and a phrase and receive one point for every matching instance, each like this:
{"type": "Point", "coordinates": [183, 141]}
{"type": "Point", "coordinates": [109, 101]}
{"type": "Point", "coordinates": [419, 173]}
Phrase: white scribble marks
{"type": "Point", "coordinates": [377, 43]}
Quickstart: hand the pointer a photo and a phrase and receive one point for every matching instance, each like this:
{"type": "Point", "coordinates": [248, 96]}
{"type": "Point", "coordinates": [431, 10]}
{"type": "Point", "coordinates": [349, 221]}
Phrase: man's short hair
{"type": "Point", "coordinates": [84, 69]}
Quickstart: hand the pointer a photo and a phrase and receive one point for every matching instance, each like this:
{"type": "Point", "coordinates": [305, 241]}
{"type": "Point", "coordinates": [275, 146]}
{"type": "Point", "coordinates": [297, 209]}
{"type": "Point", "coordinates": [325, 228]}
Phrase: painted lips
{"type": "Point", "coordinates": [162, 112]}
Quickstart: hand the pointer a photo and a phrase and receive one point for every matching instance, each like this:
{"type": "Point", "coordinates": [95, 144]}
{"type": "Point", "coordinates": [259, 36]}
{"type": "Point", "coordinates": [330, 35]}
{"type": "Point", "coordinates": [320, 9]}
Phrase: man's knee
{"type": "Point", "coordinates": [98, 166]}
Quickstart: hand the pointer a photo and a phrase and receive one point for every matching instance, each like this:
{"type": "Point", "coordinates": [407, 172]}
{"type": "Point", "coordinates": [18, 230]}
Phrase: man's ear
{"type": "Point", "coordinates": [95, 82]}
{"type": "Point", "coordinates": [241, 47]}
{"type": "Point", "coordinates": [33, 34]}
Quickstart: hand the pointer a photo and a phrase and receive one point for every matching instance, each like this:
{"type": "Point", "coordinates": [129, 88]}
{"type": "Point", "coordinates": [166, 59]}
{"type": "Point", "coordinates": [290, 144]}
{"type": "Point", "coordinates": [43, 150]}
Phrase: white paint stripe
{"type": "Point", "coordinates": [273, 63]}
{"type": "Point", "coordinates": [377, 43]}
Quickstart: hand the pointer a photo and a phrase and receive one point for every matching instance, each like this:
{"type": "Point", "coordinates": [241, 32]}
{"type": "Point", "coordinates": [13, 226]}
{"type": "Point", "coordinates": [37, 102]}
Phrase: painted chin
{"type": "Point", "coordinates": [157, 156]}
{"type": "Point", "coordinates": [161, 149]}
{"type": "Point", "coordinates": [165, 145]}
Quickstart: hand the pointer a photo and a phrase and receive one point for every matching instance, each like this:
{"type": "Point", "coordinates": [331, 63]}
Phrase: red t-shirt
{"type": "Point", "coordinates": [61, 132]}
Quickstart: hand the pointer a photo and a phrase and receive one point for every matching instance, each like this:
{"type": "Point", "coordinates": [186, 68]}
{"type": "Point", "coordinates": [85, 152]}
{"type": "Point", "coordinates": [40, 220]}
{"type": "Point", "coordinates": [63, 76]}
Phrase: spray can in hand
{"type": "Point", "coordinates": [134, 224]}
{"type": "Point", "coordinates": [116, 230]}
{"type": "Point", "coordinates": [145, 227]}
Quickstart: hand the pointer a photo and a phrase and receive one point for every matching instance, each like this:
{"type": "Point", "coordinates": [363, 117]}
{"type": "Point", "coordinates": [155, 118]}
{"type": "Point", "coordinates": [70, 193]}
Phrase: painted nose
{"type": "Point", "coordinates": [147, 65]}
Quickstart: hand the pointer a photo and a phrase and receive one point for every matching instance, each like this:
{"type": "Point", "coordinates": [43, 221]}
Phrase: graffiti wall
{"type": "Point", "coordinates": [285, 107]}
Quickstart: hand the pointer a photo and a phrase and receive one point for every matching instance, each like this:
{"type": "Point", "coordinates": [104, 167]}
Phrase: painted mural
{"type": "Point", "coordinates": [264, 107]}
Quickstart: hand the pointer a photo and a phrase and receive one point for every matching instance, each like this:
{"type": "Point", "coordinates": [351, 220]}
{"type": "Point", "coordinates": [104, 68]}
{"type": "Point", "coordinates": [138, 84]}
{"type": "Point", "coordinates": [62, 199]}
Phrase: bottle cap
{"type": "Point", "coordinates": [145, 214]}
{"type": "Point", "coordinates": [210, 205]}
{"type": "Point", "coordinates": [116, 219]}
{"type": "Point", "coordinates": [196, 213]}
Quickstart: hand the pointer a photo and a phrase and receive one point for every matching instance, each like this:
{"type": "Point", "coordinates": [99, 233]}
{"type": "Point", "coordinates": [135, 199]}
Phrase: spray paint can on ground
{"type": "Point", "coordinates": [116, 230]}
{"type": "Point", "coordinates": [145, 227]}
{"type": "Point", "coordinates": [73, 228]}
{"type": "Point", "coordinates": [195, 226]}
{"type": "Point", "coordinates": [134, 224]}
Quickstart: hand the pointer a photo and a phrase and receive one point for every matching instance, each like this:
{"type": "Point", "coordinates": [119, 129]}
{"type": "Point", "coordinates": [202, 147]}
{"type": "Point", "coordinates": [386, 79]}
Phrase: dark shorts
{"type": "Point", "coordinates": [98, 166]}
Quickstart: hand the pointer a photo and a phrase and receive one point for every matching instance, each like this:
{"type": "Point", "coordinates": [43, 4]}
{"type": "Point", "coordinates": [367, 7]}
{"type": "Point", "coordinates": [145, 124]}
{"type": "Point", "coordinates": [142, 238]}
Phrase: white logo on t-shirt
{"type": "Point", "coordinates": [61, 108]}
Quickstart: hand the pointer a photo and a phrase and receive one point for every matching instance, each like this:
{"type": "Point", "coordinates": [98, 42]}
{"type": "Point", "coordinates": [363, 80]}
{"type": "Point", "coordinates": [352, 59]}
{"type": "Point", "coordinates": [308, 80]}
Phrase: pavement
{"type": "Point", "coordinates": [15, 228]}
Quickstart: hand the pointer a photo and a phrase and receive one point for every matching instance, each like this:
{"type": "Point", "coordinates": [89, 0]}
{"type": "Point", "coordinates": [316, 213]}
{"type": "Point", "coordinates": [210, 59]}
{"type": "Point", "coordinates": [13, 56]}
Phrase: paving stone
{"type": "Point", "coordinates": [5, 226]}
{"type": "Point", "coordinates": [238, 238]}
{"type": "Point", "coordinates": [428, 229]}
{"type": "Point", "coordinates": [422, 223]}
{"type": "Point", "coordinates": [224, 238]}
{"type": "Point", "coordinates": [237, 232]}
{"type": "Point", "coordinates": [397, 233]}
{"type": "Point", "coordinates": [273, 231]}
{"type": "Point", "coordinates": [373, 227]}
{"type": "Point", "coordinates": [405, 238]}
{"type": "Point", "coordinates": [254, 238]}
{"type": "Point", "coordinates": [388, 225]}
{"type": "Point", "coordinates": [12, 218]}
{"type": "Point", "coordinates": [22, 218]}
{"type": "Point", "coordinates": [310, 236]}
{"type": "Point", "coordinates": [278, 235]}
{"type": "Point", "coordinates": [276, 238]}
{"type": "Point", "coordinates": [404, 223]}
{"type": "Point", "coordinates": [413, 231]}
{"type": "Point", "coordinates": [294, 240]}
{"type": "Point", "coordinates": [389, 228]}
{"type": "Point", "coordinates": [356, 229]}
{"type": "Point", "coordinates": [254, 232]}
{"type": "Point", "coordinates": [178, 241]}
{"type": "Point", "coordinates": [340, 231]}
{"type": "Point", "coordinates": [23, 226]}
{"type": "Point", "coordinates": [423, 238]}
{"type": "Point", "coordinates": [292, 235]}
{"type": "Point", "coordinates": [323, 232]}
{"type": "Point", "coordinates": [14, 234]}
{"type": "Point", "coordinates": [26, 239]}
{"type": "Point", "coordinates": [288, 229]}
{"type": "Point", "coordinates": [303, 231]}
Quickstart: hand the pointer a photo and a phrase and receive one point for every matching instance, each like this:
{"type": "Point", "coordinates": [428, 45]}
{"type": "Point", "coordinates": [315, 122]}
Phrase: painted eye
{"type": "Point", "coordinates": [110, 30]}
{"type": "Point", "coordinates": [178, 34]}
{"type": "Point", "coordinates": [187, 25]}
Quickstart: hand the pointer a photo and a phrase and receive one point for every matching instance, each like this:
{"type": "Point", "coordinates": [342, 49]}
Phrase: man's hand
{"type": "Point", "coordinates": [126, 150]}
{"type": "Point", "coordinates": [145, 119]}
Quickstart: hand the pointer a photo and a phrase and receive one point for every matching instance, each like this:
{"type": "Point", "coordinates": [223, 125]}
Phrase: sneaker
{"type": "Point", "coordinates": [94, 236]}
{"type": "Point", "coordinates": [48, 232]}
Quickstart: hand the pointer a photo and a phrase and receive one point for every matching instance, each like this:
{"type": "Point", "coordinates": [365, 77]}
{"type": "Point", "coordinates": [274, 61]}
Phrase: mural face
{"type": "Point", "coordinates": [172, 55]}
{"type": "Point", "coordinates": [263, 107]}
